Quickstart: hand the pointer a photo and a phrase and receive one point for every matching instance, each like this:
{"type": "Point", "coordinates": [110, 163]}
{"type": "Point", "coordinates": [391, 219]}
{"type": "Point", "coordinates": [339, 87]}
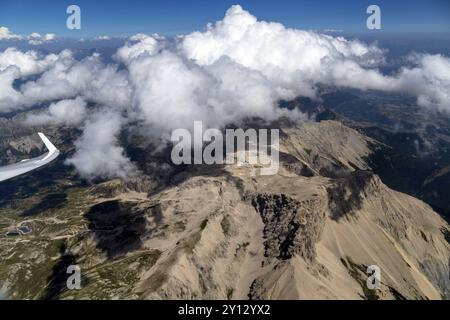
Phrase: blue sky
{"type": "Point", "coordinates": [169, 17]}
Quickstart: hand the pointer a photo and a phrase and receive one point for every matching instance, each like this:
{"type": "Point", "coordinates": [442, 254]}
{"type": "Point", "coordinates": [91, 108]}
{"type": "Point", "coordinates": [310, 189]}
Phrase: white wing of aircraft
{"type": "Point", "coordinates": [16, 169]}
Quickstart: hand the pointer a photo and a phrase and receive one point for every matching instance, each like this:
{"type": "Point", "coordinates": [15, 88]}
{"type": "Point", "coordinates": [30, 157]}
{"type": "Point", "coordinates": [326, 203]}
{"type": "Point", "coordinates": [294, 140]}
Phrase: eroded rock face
{"type": "Point", "coordinates": [289, 229]}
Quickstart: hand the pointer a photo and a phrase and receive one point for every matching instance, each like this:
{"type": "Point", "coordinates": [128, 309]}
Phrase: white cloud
{"type": "Point", "coordinates": [139, 37]}
{"type": "Point", "coordinates": [29, 63]}
{"type": "Point", "coordinates": [65, 112]}
{"type": "Point", "coordinates": [36, 39]}
{"type": "Point", "coordinates": [89, 78]}
{"type": "Point", "coordinates": [171, 92]}
{"type": "Point", "coordinates": [139, 44]}
{"type": "Point", "coordinates": [428, 79]}
{"type": "Point", "coordinates": [9, 97]}
{"type": "Point", "coordinates": [34, 35]}
{"type": "Point", "coordinates": [98, 153]}
{"type": "Point", "coordinates": [295, 61]}
{"type": "Point", "coordinates": [5, 34]}
{"type": "Point", "coordinates": [168, 92]}
{"type": "Point", "coordinates": [49, 37]}
{"type": "Point", "coordinates": [14, 65]}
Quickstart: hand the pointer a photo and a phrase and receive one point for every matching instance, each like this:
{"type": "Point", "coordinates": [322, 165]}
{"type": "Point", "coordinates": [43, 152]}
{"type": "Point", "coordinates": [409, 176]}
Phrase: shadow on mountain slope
{"type": "Point", "coordinates": [57, 281]}
{"type": "Point", "coordinates": [51, 201]}
{"type": "Point", "coordinates": [118, 226]}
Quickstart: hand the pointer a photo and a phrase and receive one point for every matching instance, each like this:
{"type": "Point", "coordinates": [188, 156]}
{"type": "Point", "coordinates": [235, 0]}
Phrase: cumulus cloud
{"type": "Point", "coordinates": [5, 34]}
{"type": "Point", "coordinates": [138, 45]}
{"type": "Point", "coordinates": [294, 61]}
{"type": "Point", "coordinates": [142, 37]}
{"type": "Point", "coordinates": [171, 92]}
{"type": "Point", "coordinates": [236, 68]}
{"type": "Point", "coordinates": [98, 152]}
{"type": "Point", "coordinates": [29, 63]}
{"type": "Point", "coordinates": [16, 65]}
{"type": "Point", "coordinates": [65, 112]}
{"type": "Point", "coordinates": [36, 39]}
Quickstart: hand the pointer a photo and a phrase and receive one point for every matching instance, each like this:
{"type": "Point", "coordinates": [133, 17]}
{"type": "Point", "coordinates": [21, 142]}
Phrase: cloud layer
{"type": "Point", "coordinates": [238, 67]}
